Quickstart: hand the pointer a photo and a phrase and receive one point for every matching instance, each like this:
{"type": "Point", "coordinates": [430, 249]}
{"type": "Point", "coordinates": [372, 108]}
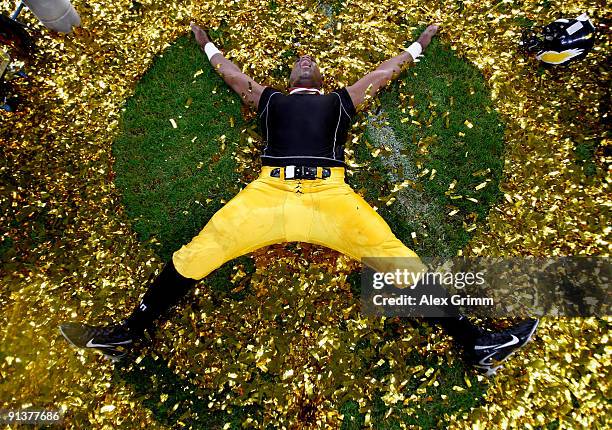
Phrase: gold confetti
{"type": "Point", "coordinates": [89, 264]}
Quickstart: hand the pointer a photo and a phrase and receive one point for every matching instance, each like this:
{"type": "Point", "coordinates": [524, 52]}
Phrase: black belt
{"type": "Point", "coordinates": [301, 172]}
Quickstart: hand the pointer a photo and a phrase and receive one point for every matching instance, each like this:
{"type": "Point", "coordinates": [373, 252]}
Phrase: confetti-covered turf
{"type": "Point", "coordinates": [174, 178]}
{"type": "Point", "coordinates": [432, 173]}
{"type": "Point", "coordinates": [69, 250]}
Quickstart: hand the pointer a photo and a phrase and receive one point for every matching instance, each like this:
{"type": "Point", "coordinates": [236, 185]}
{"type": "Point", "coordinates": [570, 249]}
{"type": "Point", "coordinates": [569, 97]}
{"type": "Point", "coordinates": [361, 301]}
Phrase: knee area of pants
{"type": "Point", "coordinates": [192, 272]}
{"type": "Point", "coordinates": [195, 265]}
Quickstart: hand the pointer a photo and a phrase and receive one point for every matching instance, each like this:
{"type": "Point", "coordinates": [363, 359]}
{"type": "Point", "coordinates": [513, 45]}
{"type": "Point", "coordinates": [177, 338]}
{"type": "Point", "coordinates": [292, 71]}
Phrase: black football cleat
{"type": "Point", "coordinates": [113, 340]}
{"type": "Point", "coordinates": [492, 349]}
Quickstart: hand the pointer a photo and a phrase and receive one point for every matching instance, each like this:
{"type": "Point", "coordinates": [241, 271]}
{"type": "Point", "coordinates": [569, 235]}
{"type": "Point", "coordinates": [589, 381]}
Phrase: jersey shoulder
{"type": "Point", "coordinates": [266, 94]}
{"type": "Point", "coordinates": [346, 102]}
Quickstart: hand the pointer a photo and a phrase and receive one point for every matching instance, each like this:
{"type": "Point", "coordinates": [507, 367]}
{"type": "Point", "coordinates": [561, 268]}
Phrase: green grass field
{"type": "Point", "coordinates": [442, 120]}
{"type": "Point", "coordinates": [174, 179]}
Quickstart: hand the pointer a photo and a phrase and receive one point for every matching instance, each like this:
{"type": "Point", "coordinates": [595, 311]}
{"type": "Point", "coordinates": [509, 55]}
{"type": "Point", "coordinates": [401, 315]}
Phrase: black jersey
{"type": "Point", "coordinates": [305, 129]}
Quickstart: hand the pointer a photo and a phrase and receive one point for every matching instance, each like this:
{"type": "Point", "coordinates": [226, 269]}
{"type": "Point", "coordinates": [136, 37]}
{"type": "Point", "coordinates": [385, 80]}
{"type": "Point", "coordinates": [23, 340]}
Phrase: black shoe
{"type": "Point", "coordinates": [492, 349]}
{"type": "Point", "coordinates": [113, 341]}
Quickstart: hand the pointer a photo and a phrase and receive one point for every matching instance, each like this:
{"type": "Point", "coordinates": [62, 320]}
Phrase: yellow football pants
{"type": "Point", "coordinates": [274, 210]}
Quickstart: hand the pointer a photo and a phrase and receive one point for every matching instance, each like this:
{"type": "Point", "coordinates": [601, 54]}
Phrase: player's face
{"type": "Point", "coordinates": [306, 73]}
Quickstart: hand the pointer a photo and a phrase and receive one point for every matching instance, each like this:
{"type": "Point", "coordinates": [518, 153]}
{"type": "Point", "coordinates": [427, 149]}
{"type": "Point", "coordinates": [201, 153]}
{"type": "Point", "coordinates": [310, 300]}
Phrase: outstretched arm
{"type": "Point", "coordinates": [386, 72]}
{"type": "Point", "coordinates": [248, 90]}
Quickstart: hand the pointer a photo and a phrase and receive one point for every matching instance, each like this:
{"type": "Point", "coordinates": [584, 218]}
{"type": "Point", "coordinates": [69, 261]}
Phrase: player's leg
{"type": "Point", "coordinates": [250, 220]}
{"type": "Point", "coordinates": [346, 222]}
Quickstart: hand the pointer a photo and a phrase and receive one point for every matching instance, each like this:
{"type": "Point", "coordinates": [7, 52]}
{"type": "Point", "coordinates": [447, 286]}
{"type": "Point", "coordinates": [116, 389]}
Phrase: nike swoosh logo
{"type": "Point", "coordinates": [91, 344]}
{"type": "Point", "coordinates": [513, 341]}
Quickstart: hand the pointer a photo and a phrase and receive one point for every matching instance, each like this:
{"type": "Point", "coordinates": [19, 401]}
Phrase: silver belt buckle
{"type": "Point", "coordinates": [289, 172]}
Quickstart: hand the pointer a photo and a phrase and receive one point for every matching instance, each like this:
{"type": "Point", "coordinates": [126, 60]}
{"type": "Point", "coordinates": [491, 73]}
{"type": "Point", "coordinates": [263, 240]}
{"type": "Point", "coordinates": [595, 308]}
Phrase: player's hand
{"type": "Point", "coordinates": [427, 35]}
{"type": "Point", "coordinates": [200, 35]}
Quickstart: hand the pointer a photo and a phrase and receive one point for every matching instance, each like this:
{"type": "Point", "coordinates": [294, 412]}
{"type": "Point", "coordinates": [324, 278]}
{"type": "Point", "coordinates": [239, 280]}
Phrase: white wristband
{"type": "Point", "coordinates": [415, 50]}
{"type": "Point", "coordinates": [210, 49]}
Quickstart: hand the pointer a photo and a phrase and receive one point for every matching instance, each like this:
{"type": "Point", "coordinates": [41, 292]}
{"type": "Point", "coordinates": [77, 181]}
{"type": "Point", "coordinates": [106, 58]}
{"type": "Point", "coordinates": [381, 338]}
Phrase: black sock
{"type": "Point", "coordinates": [163, 293]}
{"type": "Point", "coordinates": [449, 317]}
{"type": "Point", "coordinates": [460, 328]}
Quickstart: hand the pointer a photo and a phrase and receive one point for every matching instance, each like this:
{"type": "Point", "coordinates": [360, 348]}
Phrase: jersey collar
{"type": "Point", "coordinates": [296, 90]}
